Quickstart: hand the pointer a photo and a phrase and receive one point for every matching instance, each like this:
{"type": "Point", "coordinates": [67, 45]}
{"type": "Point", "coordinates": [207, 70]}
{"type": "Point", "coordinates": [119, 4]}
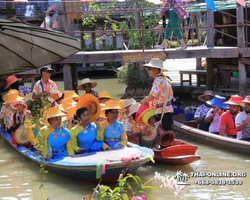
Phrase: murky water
{"type": "Point", "coordinates": [20, 178]}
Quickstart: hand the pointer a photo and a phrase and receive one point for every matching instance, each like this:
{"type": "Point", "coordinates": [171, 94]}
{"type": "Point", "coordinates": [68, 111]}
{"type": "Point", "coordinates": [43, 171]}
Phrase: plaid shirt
{"type": "Point", "coordinates": [178, 6]}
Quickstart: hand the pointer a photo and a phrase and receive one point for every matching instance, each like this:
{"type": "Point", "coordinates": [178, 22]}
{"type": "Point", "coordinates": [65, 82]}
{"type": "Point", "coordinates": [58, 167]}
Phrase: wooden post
{"type": "Point", "coordinates": [198, 64]}
{"type": "Point", "coordinates": [210, 43]}
{"type": "Point", "coordinates": [74, 72]}
{"type": "Point", "coordinates": [67, 77]}
{"type": "Point", "coordinates": [9, 6]}
{"type": "Point", "coordinates": [241, 44]}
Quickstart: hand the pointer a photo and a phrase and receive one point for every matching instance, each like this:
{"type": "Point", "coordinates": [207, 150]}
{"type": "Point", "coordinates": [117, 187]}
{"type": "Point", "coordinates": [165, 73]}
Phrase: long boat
{"type": "Point", "coordinates": [188, 129]}
{"type": "Point", "coordinates": [108, 164]}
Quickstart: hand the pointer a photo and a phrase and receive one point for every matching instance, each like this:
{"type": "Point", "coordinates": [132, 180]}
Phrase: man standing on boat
{"type": "Point", "coordinates": [160, 93]}
{"type": "Point", "coordinates": [227, 119]}
{"type": "Point", "coordinates": [242, 120]}
{"type": "Point", "coordinates": [45, 86]}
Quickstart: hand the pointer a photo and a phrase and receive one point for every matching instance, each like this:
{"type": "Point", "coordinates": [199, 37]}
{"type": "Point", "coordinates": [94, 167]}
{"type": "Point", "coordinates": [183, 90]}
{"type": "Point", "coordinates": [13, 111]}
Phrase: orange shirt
{"type": "Point", "coordinates": [228, 121]}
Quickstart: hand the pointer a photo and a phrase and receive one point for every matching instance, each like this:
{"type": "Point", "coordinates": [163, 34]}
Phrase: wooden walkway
{"type": "Point", "coordinates": [174, 66]}
{"type": "Point", "coordinates": [142, 56]}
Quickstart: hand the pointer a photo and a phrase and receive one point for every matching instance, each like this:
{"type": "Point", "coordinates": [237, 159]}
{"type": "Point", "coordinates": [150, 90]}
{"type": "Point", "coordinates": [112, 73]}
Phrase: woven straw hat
{"type": "Point", "coordinates": [84, 81]}
{"type": "Point", "coordinates": [134, 108]}
{"type": "Point", "coordinates": [246, 100]}
{"type": "Point", "coordinates": [126, 102]}
{"type": "Point", "coordinates": [70, 94]}
{"type": "Point", "coordinates": [207, 94]}
{"type": "Point", "coordinates": [54, 112]}
{"type": "Point", "coordinates": [156, 63]}
{"type": "Point", "coordinates": [12, 97]}
{"type": "Point", "coordinates": [234, 99]}
{"type": "Point", "coordinates": [111, 104]}
{"type": "Point", "coordinates": [11, 79]}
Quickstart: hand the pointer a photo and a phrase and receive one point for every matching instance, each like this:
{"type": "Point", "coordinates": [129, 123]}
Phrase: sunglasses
{"type": "Point", "coordinates": [149, 68]}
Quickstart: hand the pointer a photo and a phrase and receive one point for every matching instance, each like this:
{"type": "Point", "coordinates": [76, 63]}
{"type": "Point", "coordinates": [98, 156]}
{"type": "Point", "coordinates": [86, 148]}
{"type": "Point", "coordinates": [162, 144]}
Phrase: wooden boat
{"type": "Point", "coordinates": [178, 153]}
{"type": "Point", "coordinates": [189, 130]}
{"type": "Point", "coordinates": [85, 166]}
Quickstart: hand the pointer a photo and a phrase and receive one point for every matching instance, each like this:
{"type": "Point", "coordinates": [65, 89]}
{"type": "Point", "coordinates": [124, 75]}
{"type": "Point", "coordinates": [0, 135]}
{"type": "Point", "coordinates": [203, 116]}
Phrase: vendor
{"type": "Point", "coordinates": [46, 87]}
{"type": "Point", "coordinates": [161, 91]}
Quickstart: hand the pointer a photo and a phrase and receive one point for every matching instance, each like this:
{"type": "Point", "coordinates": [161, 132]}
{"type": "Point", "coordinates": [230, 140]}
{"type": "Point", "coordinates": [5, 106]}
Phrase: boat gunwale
{"type": "Point", "coordinates": [110, 165]}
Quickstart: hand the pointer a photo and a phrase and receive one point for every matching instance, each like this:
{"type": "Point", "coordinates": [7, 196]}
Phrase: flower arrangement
{"type": "Point", "coordinates": [140, 191]}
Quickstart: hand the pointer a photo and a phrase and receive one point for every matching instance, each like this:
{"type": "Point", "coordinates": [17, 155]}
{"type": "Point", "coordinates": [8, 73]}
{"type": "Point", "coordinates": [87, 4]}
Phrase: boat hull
{"type": "Point", "coordinates": [220, 142]}
{"type": "Point", "coordinates": [178, 153]}
{"type": "Point", "coordinates": [86, 171]}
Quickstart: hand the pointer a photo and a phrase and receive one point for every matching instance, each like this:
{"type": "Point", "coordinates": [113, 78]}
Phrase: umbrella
{"type": "Point", "coordinates": [24, 46]}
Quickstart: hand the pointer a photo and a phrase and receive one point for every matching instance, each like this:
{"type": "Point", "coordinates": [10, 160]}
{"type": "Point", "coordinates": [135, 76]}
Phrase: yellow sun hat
{"type": "Point", "coordinates": [12, 91]}
{"type": "Point", "coordinates": [92, 104]}
{"type": "Point", "coordinates": [54, 112]}
{"type": "Point", "coordinates": [12, 97]}
{"type": "Point", "coordinates": [111, 104]}
{"type": "Point", "coordinates": [67, 103]}
{"type": "Point", "coordinates": [71, 94]}
{"type": "Point", "coordinates": [104, 95]}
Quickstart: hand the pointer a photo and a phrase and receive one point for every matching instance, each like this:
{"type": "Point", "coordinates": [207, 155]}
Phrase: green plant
{"type": "Point", "coordinates": [135, 190]}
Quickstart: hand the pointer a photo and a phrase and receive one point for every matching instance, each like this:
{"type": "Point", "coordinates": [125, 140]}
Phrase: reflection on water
{"type": "Point", "coordinates": [20, 178]}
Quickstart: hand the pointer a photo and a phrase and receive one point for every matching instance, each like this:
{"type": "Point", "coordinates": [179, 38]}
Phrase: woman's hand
{"type": "Point", "coordinates": [81, 150]}
{"type": "Point", "coordinates": [97, 122]}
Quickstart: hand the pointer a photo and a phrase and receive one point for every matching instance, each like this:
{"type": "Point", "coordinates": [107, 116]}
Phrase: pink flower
{"type": "Point", "coordinates": [144, 197]}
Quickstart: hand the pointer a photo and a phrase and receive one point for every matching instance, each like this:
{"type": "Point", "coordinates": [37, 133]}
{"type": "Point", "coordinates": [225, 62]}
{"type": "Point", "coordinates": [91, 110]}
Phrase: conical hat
{"type": "Point", "coordinates": [13, 91]}
{"type": "Point", "coordinates": [10, 80]}
{"type": "Point", "coordinates": [92, 104]}
{"type": "Point", "coordinates": [71, 94]}
{"type": "Point", "coordinates": [111, 104]}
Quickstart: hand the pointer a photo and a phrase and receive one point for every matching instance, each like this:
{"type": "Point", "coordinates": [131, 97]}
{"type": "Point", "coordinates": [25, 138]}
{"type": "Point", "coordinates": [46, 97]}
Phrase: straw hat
{"type": "Point", "coordinates": [84, 81]}
{"type": "Point", "coordinates": [12, 97]}
{"type": "Point", "coordinates": [70, 94]}
{"type": "Point", "coordinates": [104, 95]}
{"type": "Point", "coordinates": [13, 91]}
{"type": "Point", "coordinates": [102, 113]}
{"type": "Point", "coordinates": [207, 94]}
{"type": "Point", "coordinates": [246, 100]}
{"type": "Point", "coordinates": [11, 79]}
{"type": "Point", "coordinates": [218, 101]}
{"type": "Point", "coordinates": [66, 103]}
{"type": "Point", "coordinates": [234, 99]}
{"type": "Point", "coordinates": [54, 112]}
{"type": "Point", "coordinates": [126, 102]}
{"type": "Point", "coordinates": [92, 104]}
{"type": "Point", "coordinates": [19, 102]}
{"type": "Point", "coordinates": [71, 111]}
{"type": "Point", "coordinates": [111, 104]}
{"type": "Point", "coordinates": [156, 63]}
{"type": "Point", "coordinates": [134, 108]}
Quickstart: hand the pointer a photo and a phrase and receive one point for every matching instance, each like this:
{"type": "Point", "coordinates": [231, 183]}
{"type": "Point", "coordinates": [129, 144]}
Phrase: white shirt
{"type": "Point", "coordinates": [240, 119]}
{"type": "Point", "coordinates": [215, 124]}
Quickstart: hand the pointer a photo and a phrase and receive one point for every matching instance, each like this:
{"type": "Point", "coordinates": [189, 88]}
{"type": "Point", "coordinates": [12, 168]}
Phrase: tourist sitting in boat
{"type": "Point", "coordinates": [213, 115]}
{"type": "Point", "coordinates": [161, 91]}
{"type": "Point", "coordinates": [202, 110]}
{"type": "Point", "coordinates": [86, 136]}
{"type": "Point", "coordinates": [46, 87]}
{"type": "Point", "coordinates": [242, 120]}
{"type": "Point", "coordinates": [114, 132]}
{"type": "Point", "coordinates": [104, 96]}
{"type": "Point", "coordinates": [227, 120]}
{"type": "Point", "coordinates": [125, 104]}
{"type": "Point", "coordinates": [87, 85]}
{"type": "Point", "coordinates": [135, 131]}
{"type": "Point", "coordinates": [7, 111]}
{"type": "Point", "coordinates": [19, 117]}
{"type": "Point", "coordinates": [53, 141]}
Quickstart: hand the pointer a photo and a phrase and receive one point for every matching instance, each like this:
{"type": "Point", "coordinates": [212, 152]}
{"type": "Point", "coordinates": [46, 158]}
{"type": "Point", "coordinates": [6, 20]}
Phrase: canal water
{"type": "Point", "coordinates": [20, 178]}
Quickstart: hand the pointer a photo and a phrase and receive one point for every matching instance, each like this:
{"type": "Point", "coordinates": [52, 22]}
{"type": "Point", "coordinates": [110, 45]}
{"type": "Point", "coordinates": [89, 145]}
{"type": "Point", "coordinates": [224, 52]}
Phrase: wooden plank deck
{"type": "Point", "coordinates": [140, 56]}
